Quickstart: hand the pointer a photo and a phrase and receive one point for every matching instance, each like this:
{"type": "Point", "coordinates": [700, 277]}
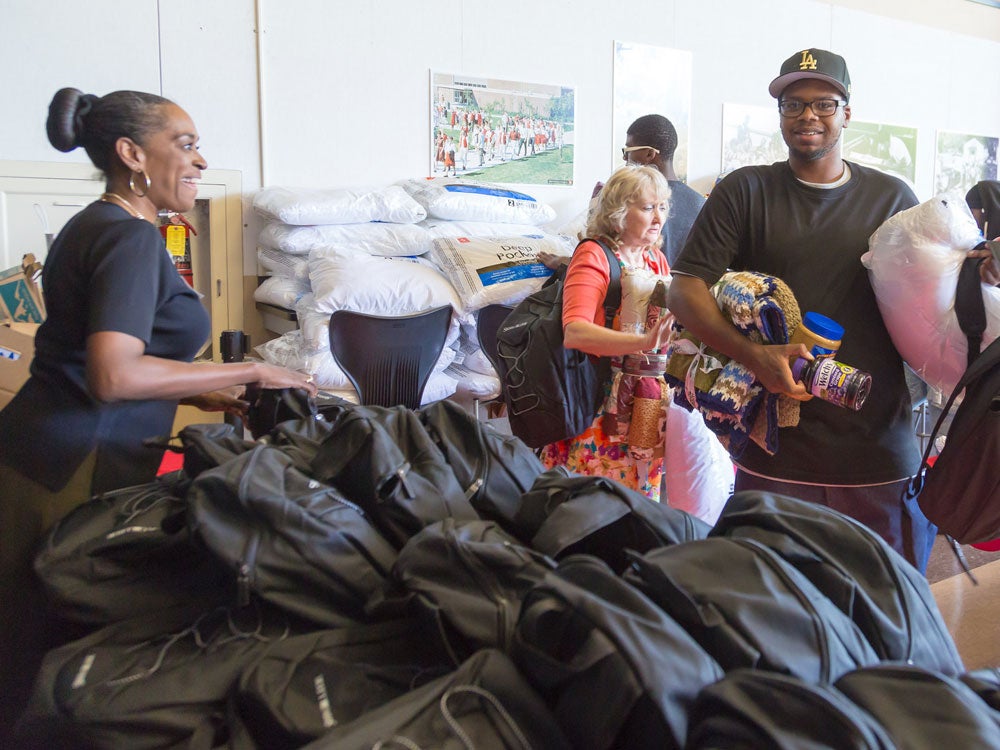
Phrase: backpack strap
{"type": "Point", "coordinates": [969, 306]}
{"type": "Point", "coordinates": [613, 297]}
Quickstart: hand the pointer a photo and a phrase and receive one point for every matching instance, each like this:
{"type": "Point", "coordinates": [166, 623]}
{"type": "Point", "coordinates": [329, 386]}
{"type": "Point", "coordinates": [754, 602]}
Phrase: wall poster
{"type": "Point", "coordinates": [650, 80]}
{"type": "Point", "coordinates": [962, 160]}
{"type": "Point", "coordinates": [889, 148]}
{"type": "Point", "coordinates": [501, 131]}
{"type": "Point", "coordinates": [750, 135]}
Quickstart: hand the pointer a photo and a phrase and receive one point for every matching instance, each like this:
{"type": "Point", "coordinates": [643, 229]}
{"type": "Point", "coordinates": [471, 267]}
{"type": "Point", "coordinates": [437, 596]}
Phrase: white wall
{"type": "Point", "coordinates": [340, 96]}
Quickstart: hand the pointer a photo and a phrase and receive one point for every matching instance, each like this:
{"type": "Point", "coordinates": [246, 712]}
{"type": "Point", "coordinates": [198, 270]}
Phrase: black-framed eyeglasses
{"type": "Point", "coordinates": [629, 149]}
{"type": "Point", "coordinates": [820, 107]}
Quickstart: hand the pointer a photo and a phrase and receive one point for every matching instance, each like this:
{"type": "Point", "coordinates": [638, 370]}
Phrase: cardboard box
{"type": "Point", "coordinates": [17, 347]}
{"type": "Point", "coordinates": [20, 296]}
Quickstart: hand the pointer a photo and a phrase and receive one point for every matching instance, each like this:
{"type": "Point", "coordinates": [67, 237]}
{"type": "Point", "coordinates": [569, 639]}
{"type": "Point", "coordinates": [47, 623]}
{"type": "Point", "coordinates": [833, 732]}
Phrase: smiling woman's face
{"type": "Point", "coordinates": [172, 162]}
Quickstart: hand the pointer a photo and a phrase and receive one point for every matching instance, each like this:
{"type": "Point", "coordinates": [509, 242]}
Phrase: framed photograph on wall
{"type": "Point", "coordinates": [750, 135]}
{"type": "Point", "coordinates": [494, 130]}
{"type": "Point", "coordinates": [962, 160]}
{"type": "Point", "coordinates": [889, 148]}
{"type": "Point", "coordinates": [651, 80]}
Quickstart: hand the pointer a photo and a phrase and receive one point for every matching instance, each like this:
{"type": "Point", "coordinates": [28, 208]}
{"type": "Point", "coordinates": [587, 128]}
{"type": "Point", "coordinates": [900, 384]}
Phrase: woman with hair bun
{"type": "Point", "coordinates": [115, 354]}
{"type": "Point", "coordinates": [625, 441]}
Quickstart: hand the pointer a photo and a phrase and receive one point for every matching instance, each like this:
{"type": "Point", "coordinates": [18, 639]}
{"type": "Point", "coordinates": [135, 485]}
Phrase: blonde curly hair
{"type": "Point", "coordinates": [625, 186]}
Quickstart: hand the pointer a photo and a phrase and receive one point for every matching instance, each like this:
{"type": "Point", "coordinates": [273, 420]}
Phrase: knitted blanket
{"type": "Point", "coordinates": [734, 404]}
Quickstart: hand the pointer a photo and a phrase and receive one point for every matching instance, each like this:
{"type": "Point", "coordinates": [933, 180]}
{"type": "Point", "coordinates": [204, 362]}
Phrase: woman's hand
{"type": "Point", "coordinates": [273, 376]}
{"type": "Point", "coordinates": [658, 335]}
{"type": "Point", "coordinates": [230, 400]}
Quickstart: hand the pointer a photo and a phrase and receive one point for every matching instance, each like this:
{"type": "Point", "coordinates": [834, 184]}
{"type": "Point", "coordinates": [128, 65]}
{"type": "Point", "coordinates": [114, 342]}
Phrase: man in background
{"type": "Point", "coordinates": [652, 140]}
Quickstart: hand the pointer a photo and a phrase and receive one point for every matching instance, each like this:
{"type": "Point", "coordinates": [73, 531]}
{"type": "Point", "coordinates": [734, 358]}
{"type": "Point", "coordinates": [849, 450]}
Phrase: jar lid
{"type": "Point", "coordinates": [798, 366]}
{"type": "Point", "coordinates": [823, 326]}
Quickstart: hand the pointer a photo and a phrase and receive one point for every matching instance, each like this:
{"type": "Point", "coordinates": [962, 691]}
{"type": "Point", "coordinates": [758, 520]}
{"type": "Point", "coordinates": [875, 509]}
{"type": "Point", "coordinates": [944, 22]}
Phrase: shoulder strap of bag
{"type": "Point", "coordinates": [613, 298]}
{"type": "Point", "coordinates": [969, 306]}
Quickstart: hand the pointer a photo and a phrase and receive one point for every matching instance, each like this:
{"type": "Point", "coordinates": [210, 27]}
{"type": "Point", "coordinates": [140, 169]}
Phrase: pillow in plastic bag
{"type": "Point", "coordinates": [304, 206]}
{"type": "Point", "coordinates": [913, 262]}
{"type": "Point", "coordinates": [374, 238]}
{"type": "Point", "coordinates": [468, 200]}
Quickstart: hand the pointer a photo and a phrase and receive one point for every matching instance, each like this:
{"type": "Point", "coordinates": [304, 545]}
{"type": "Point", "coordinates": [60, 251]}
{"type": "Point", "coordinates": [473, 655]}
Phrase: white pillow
{"type": "Point", "coordinates": [468, 200]}
{"type": "Point", "coordinates": [913, 262]}
{"type": "Point", "coordinates": [375, 238]}
{"type": "Point", "coordinates": [278, 263]}
{"type": "Point", "coordinates": [305, 206]}
{"type": "Point", "coordinates": [444, 228]}
{"type": "Point", "coordinates": [283, 291]}
{"type": "Point", "coordinates": [699, 472]}
{"type": "Point", "coordinates": [353, 280]}
{"type": "Point", "coordinates": [500, 270]}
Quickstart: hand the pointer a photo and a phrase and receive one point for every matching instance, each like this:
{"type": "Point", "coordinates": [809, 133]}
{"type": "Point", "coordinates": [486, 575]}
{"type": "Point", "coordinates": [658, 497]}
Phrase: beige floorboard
{"type": "Point", "coordinates": [972, 614]}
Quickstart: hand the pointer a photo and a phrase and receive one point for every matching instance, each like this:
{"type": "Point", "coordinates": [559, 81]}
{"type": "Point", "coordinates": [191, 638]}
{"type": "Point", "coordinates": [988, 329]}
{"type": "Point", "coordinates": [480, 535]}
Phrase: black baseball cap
{"type": "Point", "coordinates": [813, 63]}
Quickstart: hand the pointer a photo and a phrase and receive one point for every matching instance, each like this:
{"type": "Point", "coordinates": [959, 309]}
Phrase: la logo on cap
{"type": "Point", "coordinates": [808, 62]}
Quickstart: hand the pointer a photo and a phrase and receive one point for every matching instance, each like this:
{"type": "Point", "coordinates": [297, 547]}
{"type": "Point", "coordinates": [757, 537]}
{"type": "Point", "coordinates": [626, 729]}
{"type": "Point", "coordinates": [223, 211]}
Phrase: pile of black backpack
{"type": "Point", "coordinates": [388, 578]}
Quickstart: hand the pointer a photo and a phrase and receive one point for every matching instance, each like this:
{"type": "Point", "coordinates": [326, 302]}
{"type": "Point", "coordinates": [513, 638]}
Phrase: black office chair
{"type": "Point", "coordinates": [389, 359]}
{"type": "Point", "coordinates": [488, 322]}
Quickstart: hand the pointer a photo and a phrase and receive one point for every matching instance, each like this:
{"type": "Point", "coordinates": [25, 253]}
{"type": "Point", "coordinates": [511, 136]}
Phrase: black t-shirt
{"type": "Point", "coordinates": [763, 219]}
{"type": "Point", "coordinates": [106, 271]}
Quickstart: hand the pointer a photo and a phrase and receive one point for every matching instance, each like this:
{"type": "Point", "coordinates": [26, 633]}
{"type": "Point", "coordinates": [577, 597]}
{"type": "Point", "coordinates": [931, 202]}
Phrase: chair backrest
{"type": "Point", "coordinates": [488, 322]}
{"type": "Point", "coordinates": [389, 359]}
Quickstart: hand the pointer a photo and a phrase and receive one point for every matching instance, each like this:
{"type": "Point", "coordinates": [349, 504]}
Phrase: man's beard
{"type": "Point", "coordinates": [813, 155]}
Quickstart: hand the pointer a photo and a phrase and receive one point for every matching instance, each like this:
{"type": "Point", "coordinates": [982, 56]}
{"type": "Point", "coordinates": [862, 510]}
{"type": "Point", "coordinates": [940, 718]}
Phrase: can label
{"type": "Point", "coordinates": [839, 384]}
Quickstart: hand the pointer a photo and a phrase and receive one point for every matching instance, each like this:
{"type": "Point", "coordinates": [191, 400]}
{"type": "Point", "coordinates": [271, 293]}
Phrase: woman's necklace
{"type": "Point", "coordinates": [115, 198]}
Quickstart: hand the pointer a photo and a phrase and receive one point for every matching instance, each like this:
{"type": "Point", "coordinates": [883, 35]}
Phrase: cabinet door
{"type": "Point", "coordinates": [34, 209]}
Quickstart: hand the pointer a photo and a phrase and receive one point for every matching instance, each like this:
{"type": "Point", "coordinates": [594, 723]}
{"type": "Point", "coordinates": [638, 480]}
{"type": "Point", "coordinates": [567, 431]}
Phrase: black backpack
{"type": "Point", "coordinates": [485, 703]}
{"type": "Point", "coordinates": [888, 599]}
{"type": "Point", "coordinates": [921, 708]}
{"type": "Point", "coordinates": [288, 538]}
{"type": "Point", "coordinates": [303, 686]}
{"type": "Point", "coordinates": [748, 608]}
{"type": "Point", "coordinates": [156, 681]}
{"type": "Point", "coordinates": [615, 669]}
{"type": "Point", "coordinates": [385, 460]}
{"type": "Point", "coordinates": [463, 581]}
{"type": "Point", "coordinates": [124, 553]}
{"type": "Point", "coordinates": [754, 708]}
{"type": "Point", "coordinates": [565, 514]}
{"type": "Point", "coordinates": [551, 392]}
{"type": "Point", "coordinates": [961, 491]}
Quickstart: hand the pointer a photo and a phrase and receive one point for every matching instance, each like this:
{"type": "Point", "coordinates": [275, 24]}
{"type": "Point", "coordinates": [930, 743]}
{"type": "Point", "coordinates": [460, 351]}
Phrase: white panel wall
{"type": "Point", "coordinates": [343, 88]}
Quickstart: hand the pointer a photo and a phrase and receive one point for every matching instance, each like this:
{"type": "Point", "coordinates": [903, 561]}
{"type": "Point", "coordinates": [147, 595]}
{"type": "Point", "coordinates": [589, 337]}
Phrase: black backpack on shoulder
{"type": "Point", "coordinates": [960, 492]}
{"type": "Point", "coordinates": [551, 392]}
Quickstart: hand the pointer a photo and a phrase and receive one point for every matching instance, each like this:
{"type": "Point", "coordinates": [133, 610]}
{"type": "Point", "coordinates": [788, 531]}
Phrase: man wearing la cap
{"type": "Point", "coordinates": [807, 221]}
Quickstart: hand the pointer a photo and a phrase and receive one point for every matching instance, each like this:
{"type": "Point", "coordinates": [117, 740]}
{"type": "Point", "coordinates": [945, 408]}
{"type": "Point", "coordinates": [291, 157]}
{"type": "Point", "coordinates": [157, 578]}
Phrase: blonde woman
{"type": "Point", "coordinates": [628, 218]}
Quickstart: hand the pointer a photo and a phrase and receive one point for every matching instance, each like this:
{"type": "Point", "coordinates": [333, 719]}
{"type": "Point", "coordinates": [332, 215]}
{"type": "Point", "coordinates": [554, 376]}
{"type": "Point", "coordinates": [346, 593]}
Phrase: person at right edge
{"type": "Point", "coordinates": [983, 199]}
{"type": "Point", "coordinates": [807, 221]}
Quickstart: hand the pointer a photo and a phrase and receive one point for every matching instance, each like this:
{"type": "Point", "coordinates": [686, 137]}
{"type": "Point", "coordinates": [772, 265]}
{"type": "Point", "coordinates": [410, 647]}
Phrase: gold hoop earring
{"type": "Point", "coordinates": [131, 183]}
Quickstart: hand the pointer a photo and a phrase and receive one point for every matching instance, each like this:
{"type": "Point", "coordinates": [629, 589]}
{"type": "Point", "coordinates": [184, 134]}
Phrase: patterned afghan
{"type": "Point", "coordinates": [734, 404]}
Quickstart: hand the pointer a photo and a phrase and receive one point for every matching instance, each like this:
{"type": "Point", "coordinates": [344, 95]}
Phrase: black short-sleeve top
{"type": "Point", "coordinates": [106, 271]}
